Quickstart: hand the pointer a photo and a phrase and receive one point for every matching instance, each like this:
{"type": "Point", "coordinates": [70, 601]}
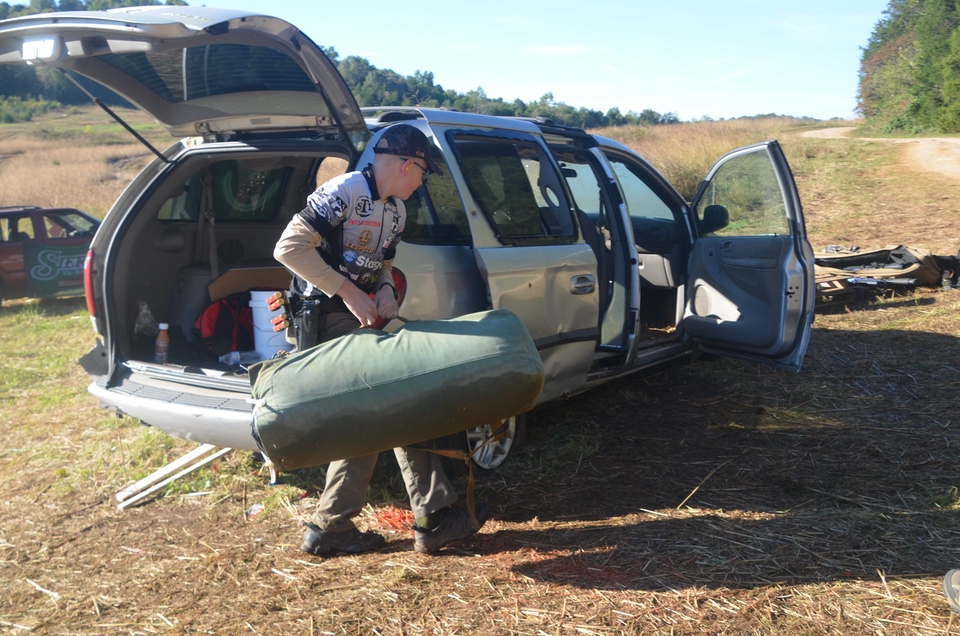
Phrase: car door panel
{"type": "Point", "coordinates": [750, 284]}
{"type": "Point", "coordinates": [745, 270]}
{"type": "Point", "coordinates": [545, 286]}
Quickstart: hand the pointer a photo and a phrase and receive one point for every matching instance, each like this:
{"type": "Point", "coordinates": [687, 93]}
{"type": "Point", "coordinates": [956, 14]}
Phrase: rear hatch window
{"type": "Point", "coordinates": [205, 71]}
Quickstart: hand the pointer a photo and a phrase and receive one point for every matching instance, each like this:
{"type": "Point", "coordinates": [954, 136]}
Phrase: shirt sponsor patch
{"type": "Point", "coordinates": [364, 207]}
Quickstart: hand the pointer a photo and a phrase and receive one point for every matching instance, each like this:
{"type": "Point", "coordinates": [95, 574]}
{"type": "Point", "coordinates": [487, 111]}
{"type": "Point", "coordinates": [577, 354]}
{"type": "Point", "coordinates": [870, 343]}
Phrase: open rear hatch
{"type": "Point", "coordinates": [197, 70]}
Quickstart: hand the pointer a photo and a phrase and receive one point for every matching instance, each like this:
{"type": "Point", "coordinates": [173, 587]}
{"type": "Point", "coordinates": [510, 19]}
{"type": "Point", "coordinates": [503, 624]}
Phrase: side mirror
{"type": "Point", "coordinates": [715, 217]}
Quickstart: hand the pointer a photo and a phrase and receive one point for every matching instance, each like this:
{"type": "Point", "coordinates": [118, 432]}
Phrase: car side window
{"type": "Point", "coordinates": [517, 188]}
{"type": "Point", "coordinates": [67, 225]}
{"type": "Point", "coordinates": [746, 189]}
{"type": "Point", "coordinates": [435, 214]}
{"type": "Point", "coordinates": [19, 229]}
{"type": "Point", "coordinates": [656, 228]}
{"type": "Point", "coordinates": [53, 228]}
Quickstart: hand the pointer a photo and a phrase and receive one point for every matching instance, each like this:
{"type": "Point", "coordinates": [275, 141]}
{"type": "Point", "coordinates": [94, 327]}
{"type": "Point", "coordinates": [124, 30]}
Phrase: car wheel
{"type": "Point", "coordinates": [490, 451]}
{"type": "Point", "coordinates": [493, 451]}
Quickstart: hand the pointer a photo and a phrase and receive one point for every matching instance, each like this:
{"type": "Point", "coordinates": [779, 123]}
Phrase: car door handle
{"type": "Point", "coordinates": [583, 284]}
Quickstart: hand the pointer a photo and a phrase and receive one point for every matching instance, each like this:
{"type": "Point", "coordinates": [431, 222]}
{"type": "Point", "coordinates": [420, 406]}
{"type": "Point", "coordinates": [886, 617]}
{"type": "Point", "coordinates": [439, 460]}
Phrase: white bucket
{"type": "Point", "coordinates": [266, 341]}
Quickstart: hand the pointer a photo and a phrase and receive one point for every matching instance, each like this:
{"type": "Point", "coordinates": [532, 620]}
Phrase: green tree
{"type": "Point", "coordinates": [614, 118]}
{"type": "Point", "coordinates": [42, 6]}
{"type": "Point", "coordinates": [649, 117]}
{"type": "Point", "coordinates": [331, 53]}
{"type": "Point", "coordinates": [422, 90]}
{"type": "Point", "coordinates": [910, 68]}
{"type": "Point", "coordinates": [936, 24]}
{"type": "Point", "coordinates": [355, 70]}
{"type": "Point", "coordinates": [19, 81]}
{"type": "Point", "coordinates": [57, 87]}
{"type": "Point", "coordinates": [948, 118]}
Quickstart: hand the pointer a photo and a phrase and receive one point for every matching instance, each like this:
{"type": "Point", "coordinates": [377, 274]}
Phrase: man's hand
{"type": "Point", "coordinates": [386, 301]}
{"type": "Point", "coordinates": [359, 303]}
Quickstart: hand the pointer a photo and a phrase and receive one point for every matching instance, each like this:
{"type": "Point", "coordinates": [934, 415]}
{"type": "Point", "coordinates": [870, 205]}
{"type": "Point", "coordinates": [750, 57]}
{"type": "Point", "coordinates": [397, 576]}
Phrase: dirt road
{"type": "Point", "coordinates": [931, 154]}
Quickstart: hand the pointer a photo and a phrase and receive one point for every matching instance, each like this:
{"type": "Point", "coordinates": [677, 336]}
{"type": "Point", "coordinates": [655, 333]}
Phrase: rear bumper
{"type": "Point", "coordinates": [202, 415]}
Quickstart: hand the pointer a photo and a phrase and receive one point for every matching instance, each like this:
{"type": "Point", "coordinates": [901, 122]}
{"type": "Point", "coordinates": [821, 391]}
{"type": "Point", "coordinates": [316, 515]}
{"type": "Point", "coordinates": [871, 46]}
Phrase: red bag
{"type": "Point", "coordinates": [226, 325]}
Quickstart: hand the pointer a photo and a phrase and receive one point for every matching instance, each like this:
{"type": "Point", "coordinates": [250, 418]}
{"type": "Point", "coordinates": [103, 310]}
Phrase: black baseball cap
{"type": "Point", "coordinates": [406, 141]}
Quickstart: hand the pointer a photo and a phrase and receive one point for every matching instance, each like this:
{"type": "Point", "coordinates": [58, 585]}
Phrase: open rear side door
{"type": "Point", "coordinates": [750, 291]}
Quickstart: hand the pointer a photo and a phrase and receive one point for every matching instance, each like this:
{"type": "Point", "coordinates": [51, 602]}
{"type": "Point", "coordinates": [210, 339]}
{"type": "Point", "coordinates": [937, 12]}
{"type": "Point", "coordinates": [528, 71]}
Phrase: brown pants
{"type": "Point", "coordinates": [348, 480]}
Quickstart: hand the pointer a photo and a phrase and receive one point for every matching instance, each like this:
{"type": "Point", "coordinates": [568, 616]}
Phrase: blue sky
{"type": "Point", "coordinates": [695, 58]}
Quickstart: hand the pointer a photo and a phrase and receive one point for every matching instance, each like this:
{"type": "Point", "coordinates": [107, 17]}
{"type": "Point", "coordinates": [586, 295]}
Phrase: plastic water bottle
{"type": "Point", "coordinates": [162, 346]}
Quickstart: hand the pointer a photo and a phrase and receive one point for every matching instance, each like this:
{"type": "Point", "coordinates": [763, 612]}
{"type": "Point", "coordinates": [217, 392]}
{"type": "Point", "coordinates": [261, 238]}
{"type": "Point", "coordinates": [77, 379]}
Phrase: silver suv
{"type": "Point", "coordinates": [607, 265]}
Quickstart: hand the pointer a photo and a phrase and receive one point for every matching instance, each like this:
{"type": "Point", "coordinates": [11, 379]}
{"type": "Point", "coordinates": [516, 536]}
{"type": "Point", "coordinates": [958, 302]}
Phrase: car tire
{"type": "Point", "coordinates": [493, 451]}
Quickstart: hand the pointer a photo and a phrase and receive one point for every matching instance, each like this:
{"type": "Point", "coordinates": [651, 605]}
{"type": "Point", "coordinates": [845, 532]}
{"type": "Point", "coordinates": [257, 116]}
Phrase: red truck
{"type": "Point", "coordinates": [42, 250]}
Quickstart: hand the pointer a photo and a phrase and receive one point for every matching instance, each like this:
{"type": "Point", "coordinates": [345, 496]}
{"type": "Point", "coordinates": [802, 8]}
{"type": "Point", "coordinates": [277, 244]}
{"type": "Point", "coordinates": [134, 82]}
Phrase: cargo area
{"type": "Point", "coordinates": [205, 232]}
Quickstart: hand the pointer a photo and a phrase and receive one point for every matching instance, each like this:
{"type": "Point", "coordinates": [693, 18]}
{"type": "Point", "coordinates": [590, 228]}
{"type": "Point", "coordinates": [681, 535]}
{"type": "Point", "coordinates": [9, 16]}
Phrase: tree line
{"type": "Point", "coordinates": [910, 68]}
{"type": "Point", "coordinates": [26, 90]}
{"type": "Point", "coordinates": [381, 87]}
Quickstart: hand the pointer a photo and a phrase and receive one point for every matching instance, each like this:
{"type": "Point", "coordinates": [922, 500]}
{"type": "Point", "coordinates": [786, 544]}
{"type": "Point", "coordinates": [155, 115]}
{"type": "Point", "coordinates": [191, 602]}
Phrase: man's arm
{"type": "Point", "coordinates": [386, 294]}
{"type": "Point", "coordinates": [297, 251]}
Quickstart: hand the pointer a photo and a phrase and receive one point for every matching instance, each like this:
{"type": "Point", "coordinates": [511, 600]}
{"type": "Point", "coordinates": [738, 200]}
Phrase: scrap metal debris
{"type": "Point", "coordinates": [847, 274]}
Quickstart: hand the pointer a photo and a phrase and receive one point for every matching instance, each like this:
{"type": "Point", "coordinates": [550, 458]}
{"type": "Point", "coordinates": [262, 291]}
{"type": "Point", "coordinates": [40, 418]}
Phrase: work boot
{"type": "Point", "coordinates": [455, 525]}
{"type": "Point", "coordinates": [322, 543]}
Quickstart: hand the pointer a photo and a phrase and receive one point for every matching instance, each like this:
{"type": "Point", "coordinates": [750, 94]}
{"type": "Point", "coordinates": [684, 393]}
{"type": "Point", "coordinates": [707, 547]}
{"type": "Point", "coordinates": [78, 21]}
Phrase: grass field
{"type": "Point", "coordinates": [710, 498]}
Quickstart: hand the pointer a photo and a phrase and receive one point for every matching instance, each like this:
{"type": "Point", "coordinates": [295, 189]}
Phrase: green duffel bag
{"type": "Point", "coordinates": [370, 391]}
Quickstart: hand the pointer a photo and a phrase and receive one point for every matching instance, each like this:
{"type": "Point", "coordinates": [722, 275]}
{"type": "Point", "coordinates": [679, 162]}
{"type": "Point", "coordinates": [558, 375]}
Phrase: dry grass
{"type": "Point", "coordinates": [79, 160]}
{"type": "Point", "coordinates": [684, 153]}
{"type": "Point", "coordinates": [712, 498]}
{"type": "Point", "coordinates": [87, 177]}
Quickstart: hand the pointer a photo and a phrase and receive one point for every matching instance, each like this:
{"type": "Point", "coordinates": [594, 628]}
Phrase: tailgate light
{"type": "Point", "coordinates": [88, 284]}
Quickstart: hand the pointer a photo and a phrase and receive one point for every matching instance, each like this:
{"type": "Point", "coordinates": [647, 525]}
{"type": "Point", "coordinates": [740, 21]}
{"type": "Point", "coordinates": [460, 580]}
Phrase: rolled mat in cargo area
{"type": "Point", "coordinates": [370, 391]}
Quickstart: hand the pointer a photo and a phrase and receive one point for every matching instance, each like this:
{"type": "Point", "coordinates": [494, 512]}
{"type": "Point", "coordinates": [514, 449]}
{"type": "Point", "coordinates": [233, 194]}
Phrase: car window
{"type": "Point", "coordinates": [584, 179]}
{"type": "Point", "coordinates": [642, 201]}
{"type": "Point", "coordinates": [67, 225]}
{"type": "Point", "coordinates": [18, 229]}
{"type": "Point", "coordinates": [203, 71]}
{"type": "Point", "coordinates": [583, 184]}
{"type": "Point", "coordinates": [435, 214]}
{"type": "Point", "coordinates": [240, 190]}
{"type": "Point", "coordinates": [517, 188]}
{"type": "Point", "coordinates": [748, 188]}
